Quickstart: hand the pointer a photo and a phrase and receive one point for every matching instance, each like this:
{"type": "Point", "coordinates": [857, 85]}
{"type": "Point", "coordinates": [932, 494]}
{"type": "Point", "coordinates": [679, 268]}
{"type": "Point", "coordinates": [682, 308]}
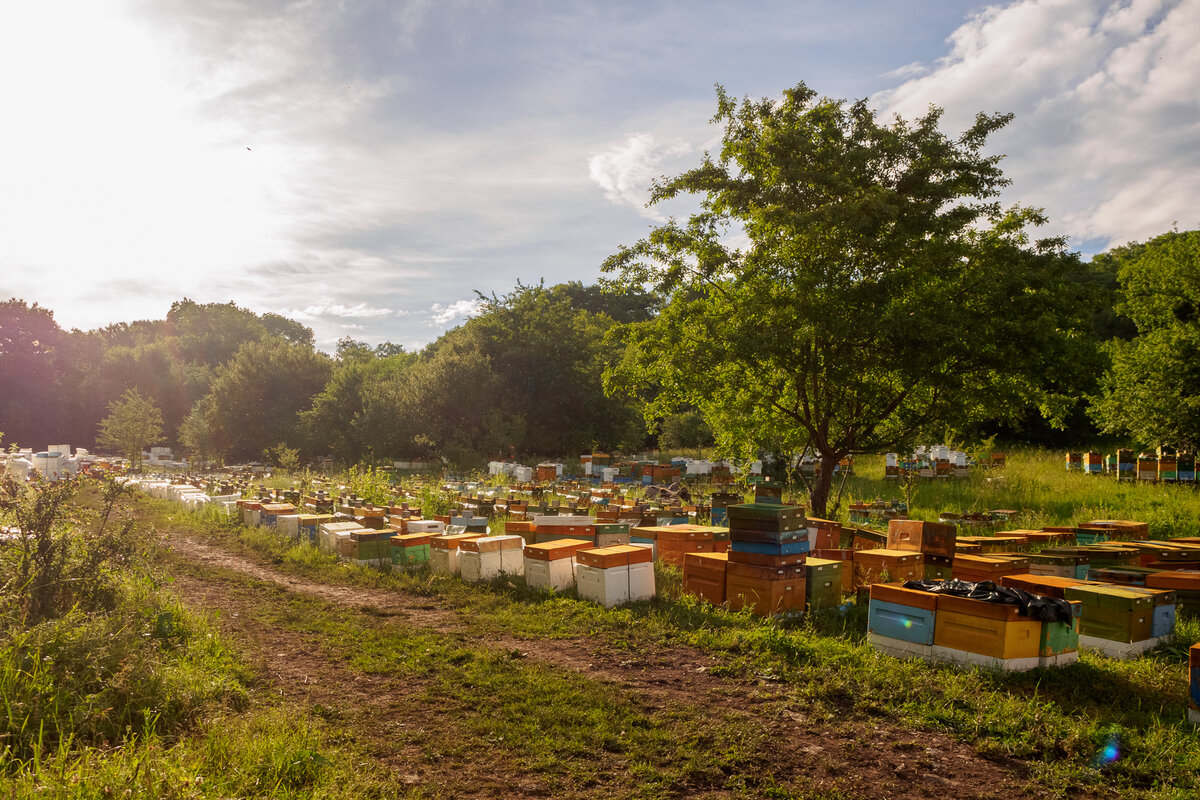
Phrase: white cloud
{"type": "Point", "coordinates": [356, 311]}
{"type": "Point", "coordinates": [444, 314]}
{"type": "Point", "coordinates": [1106, 98]}
{"type": "Point", "coordinates": [624, 171]}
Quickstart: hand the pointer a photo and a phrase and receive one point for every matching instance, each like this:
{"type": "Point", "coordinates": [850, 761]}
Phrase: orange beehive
{"type": "Point", "coordinates": [704, 576]}
{"type": "Point", "coordinates": [764, 597]}
{"type": "Point", "coordinates": [931, 538]}
{"type": "Point", "coordinates": [617, 556]}
{"type": "Point", "coordinates": [870, 566]}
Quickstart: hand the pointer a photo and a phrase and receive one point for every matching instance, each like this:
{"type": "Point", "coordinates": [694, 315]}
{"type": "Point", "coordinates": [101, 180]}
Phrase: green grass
{"type": "Point", "coordinates": [1036, 483]}
{"type": "Point", "coordinates": [1057, 721]}
{"type": "Point", "coordinates": [582, 734]}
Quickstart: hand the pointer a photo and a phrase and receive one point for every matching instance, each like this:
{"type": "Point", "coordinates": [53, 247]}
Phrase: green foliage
{"type": "Point", "coordinates": [60, 556]}
{"type": "Point", "coordinates": [284, 457]}
{"type": "Point", "coordinates": [91, 651]}
{"type": "Point", "coordinates": [883, 292]}
{"type": "Point", "coordinates": [255, 398]}
{"type": "Point", "coordinates": [133, 424]}
{"type": "Point", "coordinates": [29, 342]}
{"type": "Point", "coordinates": [686, 430]}
{"type": "Point", "coordinates": [1152, 390]}
{"type": "Point", "coordinates": [372, 485]}
{"type": "Point", "coordinates": [524, 376]}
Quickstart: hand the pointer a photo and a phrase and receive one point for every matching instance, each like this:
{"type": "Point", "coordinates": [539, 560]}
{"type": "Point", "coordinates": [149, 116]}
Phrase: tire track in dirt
{"type": "Point", "coordinates": [860, 757]}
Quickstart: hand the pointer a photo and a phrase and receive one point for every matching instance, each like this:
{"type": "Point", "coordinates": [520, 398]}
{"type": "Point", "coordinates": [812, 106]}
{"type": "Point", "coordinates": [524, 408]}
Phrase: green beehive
{"type": "Point", "coordinates": [407, 556]}
{"type": "Point", "coordinates": [1108, 597]}
{"type": "Point", "coordinates": [823, 582]}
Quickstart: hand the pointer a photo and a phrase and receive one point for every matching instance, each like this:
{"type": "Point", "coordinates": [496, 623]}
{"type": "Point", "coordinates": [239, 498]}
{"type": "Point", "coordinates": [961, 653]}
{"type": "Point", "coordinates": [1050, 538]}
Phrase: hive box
{"type": "Point", "coordinates": [988, 634]}
{"type": "Point", "coordinates": [551, 565]}
{"type": "Point", "coordinates": [901, 622]}
{"type": "Point", "coordinates": [1115, 620]}
{"type": "Point", "coordinates": [489, 557]}
{"type": "Point", "coordinates": [881, 566]}
{"type": "Point", "coordinates": [443, 551]}
{"type": "Point", "coordinates": [410, 548]}
{"type": "Point", "coordinates": [765, 596]}
{"type": "Point", "coordinates": [937, 568]}
{"type": "Point", "coordinates": [822, 583]}
{"type": "Point", "coordinates": [614, 575]}
{"type": "Point", "coordinates": [931, 538]}
{"type": "Point", "coordinates": [987, 568]}
{"type": "Point", "coordinates": [1058, 644]}
{"type": "Point", "coordinates": [673, 542]}
{"type": "Point", "coordinates": [704, 576]}
{"type": "Point", "coordinates": [1194, 687]}
{"type": "Point", "coordinates": [327, 534]}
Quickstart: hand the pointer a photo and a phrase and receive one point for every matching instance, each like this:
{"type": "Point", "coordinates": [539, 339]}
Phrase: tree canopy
{"type": "Point", "coordinates": [1152, 390]}
{"type": "Point", "coordinates": [847, 285]}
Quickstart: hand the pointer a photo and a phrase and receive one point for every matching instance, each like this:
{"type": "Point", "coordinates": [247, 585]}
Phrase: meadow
{"type": "Point", "coordinates": [185, 680]}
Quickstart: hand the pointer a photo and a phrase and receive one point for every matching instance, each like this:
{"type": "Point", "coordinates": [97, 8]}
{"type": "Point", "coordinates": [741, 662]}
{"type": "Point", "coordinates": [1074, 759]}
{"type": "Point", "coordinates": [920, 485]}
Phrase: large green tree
{"type": "Point", "coordinates": [133, 424]}
{"type": "Point", "coordinates": [1152, 390]}
{"type": "Point", "coordinates": [255, 398]}
{"type": "Point", "coordinates": [847, 285]}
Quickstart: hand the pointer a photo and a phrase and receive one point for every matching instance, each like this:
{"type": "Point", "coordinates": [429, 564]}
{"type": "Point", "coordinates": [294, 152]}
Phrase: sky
{"type": "Point", "coordinates": [367, 166]}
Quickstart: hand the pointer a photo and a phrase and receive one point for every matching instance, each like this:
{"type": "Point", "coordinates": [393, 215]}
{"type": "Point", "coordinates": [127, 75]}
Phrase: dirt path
{"type": "Point", "coordinates": [858, 757]}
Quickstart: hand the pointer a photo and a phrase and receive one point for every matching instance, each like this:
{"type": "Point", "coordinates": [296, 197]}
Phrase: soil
{"type": "Point", "coordinates": [856, 756]}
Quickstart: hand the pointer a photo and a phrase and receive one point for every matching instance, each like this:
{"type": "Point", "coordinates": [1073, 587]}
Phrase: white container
{"type": "Point", "coordinates": [444, 561]}
{"type": "Point", "coordinates": [965, 658]}
{"type": "Point", "coordinates": [327, 534]}
{"type": "Point", "coordinates": [471, 566]}
{"type": "Point", "coordinates": [891, 460]}
{"type": "Point", "coordinates": [641, 581]}
{"type": "Point", "coordinates": [557, 575]}
{"type": "Point", "coordinates": [523, 474]}
{"type": "Point", "coordinates": [19, 468]}
{"type": "Point", "coordinates": [289, 524]}
{"type": "Point", "coordinates": [609, 587]}
{"type": "Point", "coordinates": [607, 474]}
{"type": "Point", "coordinates": [576, 519]}
{"type": "Point", "coordinates": [425, 526]}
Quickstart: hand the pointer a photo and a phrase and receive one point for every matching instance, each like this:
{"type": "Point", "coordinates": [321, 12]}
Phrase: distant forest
{"type": "Point", "coordinates": [523, 377]}
{"type": "Point", "coordinates": [526, 377]}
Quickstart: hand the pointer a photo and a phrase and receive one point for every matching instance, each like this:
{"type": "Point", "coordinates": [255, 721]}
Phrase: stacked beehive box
{"type": "Point", "coordinates": [935, 541]}
{"type": "Point", "coordinates": [409, 549]}
{"type": "Point", "coordinates": [900, 622]}
{"type": "Point", "coordinates": [551, 565]}
{"type": "Point", "coordinates": [670, 543]}
{"type": "Point", "coordinates": [444, 552]}
{"type": "Point", "coordinates": [704, 575]}
{"type": "Point", "coordinates": [938, 626]}
{"type": "Point", "coordinates": [767, 547]}
{"type": "Point", "coordinates": [973, 568]}
{"type": "Point", "coordinates": [883, 565]}
{"type": "Point", "coordinates": [489, 557]}
{"type": "Point", "coordinates": [822, 583]}
{"type": "Point", "coordinates": [614, 575]}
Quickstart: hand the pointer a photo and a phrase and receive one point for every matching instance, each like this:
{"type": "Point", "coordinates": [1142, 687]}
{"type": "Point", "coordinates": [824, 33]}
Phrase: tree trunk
{"type": "Point", "coordinates": [819, 498]}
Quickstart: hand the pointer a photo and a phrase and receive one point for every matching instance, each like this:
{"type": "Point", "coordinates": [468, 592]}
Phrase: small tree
{"type": "Point", "coordinates": [133, 424]}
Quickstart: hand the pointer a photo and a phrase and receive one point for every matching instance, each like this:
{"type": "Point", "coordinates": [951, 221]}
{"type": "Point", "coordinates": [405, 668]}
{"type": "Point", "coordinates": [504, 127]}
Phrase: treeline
{"type": "Point", "coordinates": [523, 377]}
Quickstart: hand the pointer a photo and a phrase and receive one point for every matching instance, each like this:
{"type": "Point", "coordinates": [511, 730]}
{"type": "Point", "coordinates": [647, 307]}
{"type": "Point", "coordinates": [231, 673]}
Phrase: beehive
{"type": "Point", "coordinates": [704, 576]}
{"type": "Point", "coordinates": [882, 565]}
